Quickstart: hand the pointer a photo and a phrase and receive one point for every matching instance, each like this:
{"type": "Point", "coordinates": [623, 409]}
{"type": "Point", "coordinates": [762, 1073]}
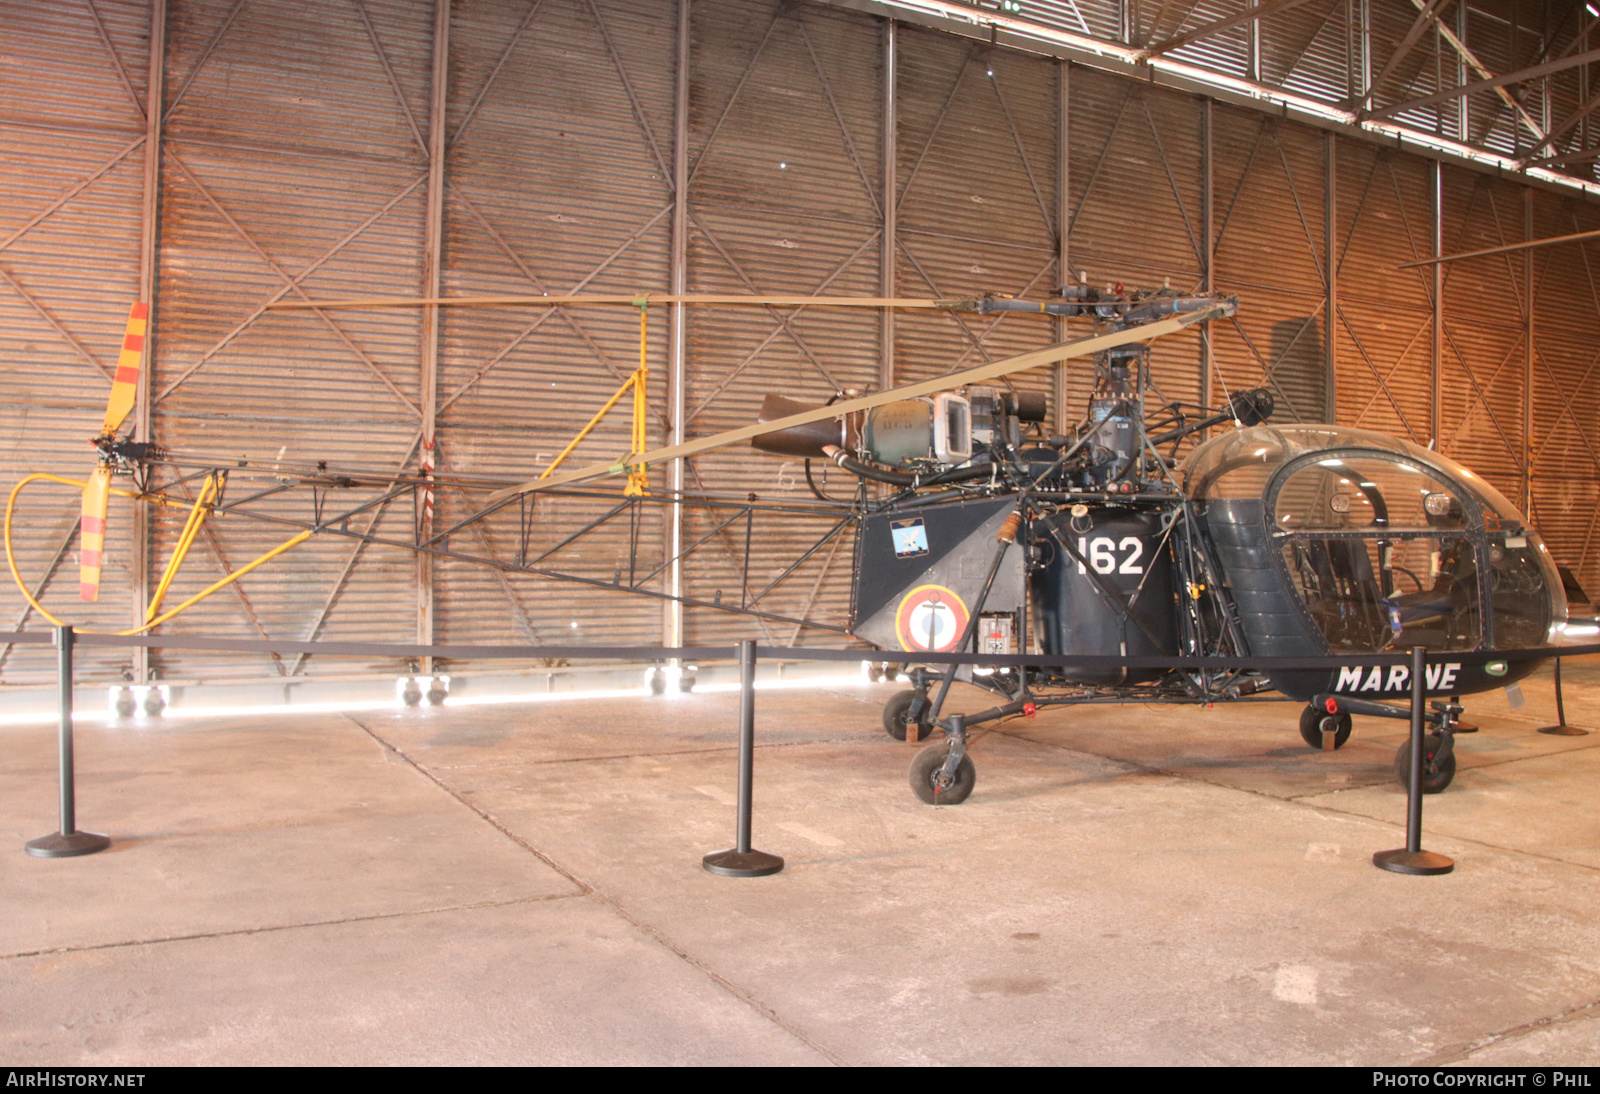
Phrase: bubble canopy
{"type": "Point", "coordinates": [1382, 543]}
{"type": "Point", "coordinates": [1242, 462]}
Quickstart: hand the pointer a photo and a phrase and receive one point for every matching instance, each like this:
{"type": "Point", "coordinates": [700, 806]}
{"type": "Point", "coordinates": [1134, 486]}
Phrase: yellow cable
{"type": "Point", "coordinates": [11, 504]}
{"type": "Point", "coordinates": [214, 586]}
{"type": "Point", "coordinates": [11, 562]}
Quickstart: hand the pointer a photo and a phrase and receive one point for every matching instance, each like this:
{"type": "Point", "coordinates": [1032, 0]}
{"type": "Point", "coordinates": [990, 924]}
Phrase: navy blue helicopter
{"type": "Point", "coordinates": [988, 534]}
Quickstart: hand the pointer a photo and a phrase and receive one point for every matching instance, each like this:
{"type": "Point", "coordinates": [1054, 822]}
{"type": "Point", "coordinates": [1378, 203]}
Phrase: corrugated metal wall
{"type": "Point", "coordinates": [558, 179]}
{"type": "Point", "coordinates": [292, 163]}
{"type": "Point", "coordinates": [1383, 217]}
{"type": "Point", "coordinates": [1566, 375]}
{"type": "Point", "coordinates": [295, 159]}
{"type": "Point", "coordinates": [1136, 153]}
{"type": "Point", "coordinates": [785, 196]}
{"type": "Point", "coordinates": [1269, 186]}
{"type": "Point", "coordinates": [72, 95]}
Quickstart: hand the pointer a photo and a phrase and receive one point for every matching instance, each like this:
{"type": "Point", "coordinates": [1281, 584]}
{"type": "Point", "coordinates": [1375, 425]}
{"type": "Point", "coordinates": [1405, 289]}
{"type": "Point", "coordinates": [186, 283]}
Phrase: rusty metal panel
{"type": "Point", "coordinates": [1566, 436]}
{"type": "Point", "coordinates": [1268, 181]}
{"type": "Point", "coordinates": [1136, 218]}
{"type": "Point", "coordinates": [1305, 50]}
{"type": "Point", "coordinates": [1483, 323]}
{"type": "Point", "coordinates": [1095, 18]}
{"type": "Point", "coordinates": [1421, 72]}
{"type": "Point", "coordinates": [560, 131]}
{"type": "Point", "coordinates": [1385, 337]}
{"type": "Point", "coordinates": [977, 212]}
{"type": "Point", "coordinates": [72, 85]}
{"type": "Point", "coordinates": [1225, 51]}
{"type": "Point", "coordinates": [293, 153]}
{"type": "Point", "coordinates": [785, 178]}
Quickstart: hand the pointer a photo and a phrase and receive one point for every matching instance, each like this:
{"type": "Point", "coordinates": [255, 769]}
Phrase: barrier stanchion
{"type": "Point", "coordinates": [1412, 859]}
{"type": "Point", "coordinates": [742, 861]}
{"type": "Point", "coordinates": [1561, 729]}
{"type": "Point", "coordinates": [68, 842]}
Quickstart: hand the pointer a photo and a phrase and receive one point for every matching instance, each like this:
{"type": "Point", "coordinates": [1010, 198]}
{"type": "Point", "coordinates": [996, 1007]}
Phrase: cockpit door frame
{"type": "Point", "coordinates": [1474, 531]}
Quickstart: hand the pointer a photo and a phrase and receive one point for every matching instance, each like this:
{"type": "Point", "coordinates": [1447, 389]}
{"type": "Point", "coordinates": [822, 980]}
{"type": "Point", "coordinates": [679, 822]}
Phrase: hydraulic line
{"type": "Point", "coordinates": [11, 562]}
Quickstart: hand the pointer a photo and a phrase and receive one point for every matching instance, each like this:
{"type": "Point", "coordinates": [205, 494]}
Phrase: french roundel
{"type": "Point", "coordinates": [931, 619]}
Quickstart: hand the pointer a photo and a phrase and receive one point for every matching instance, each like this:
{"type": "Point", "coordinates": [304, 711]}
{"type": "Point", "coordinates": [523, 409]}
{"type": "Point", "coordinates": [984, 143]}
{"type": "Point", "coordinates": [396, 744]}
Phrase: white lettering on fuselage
{"type": "Point", "coordinates": [1355, 678]}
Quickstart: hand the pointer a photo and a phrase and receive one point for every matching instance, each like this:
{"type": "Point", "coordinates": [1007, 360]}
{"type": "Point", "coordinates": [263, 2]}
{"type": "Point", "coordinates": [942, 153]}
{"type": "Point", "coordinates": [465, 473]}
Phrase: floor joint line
{"type": "Point", "coordinates": [589, 889]}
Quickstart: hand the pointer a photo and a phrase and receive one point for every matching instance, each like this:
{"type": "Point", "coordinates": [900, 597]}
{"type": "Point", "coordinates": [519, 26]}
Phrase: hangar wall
{"type": "Point", "coordinates": [313, 150]}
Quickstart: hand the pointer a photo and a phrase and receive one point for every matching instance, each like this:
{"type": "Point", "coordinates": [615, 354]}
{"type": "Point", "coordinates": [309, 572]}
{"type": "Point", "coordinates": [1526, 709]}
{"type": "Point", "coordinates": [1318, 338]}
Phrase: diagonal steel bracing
{"type": "Point", "coordinates": [261, 309]}
{"type": "Point", "coordinates": [838, 119]}
{"type": "Point", "coordinates": [289, 281]}
{"type": "Point", "coordinates": [521, 336]}
{"type": "Point", "coordinates": [494, 74]}
{"type": "Point", "coordinates": [388, 71]}
{"type": "Point", "coordinates": [772, 336]}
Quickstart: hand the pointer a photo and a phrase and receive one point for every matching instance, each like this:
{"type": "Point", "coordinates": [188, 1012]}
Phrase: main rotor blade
{"type": "Point", "coordinates": [92, 532]}
{"type": "Point", "coordinates": [634, 300]}
{"type": "Point", "coordinates": [1049, 355]}
{"type": "Point", "coordinates": [125, 384]}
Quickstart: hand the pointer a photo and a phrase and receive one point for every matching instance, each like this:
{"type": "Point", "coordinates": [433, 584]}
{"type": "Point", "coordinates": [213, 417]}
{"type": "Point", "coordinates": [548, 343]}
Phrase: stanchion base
{"type": "Point", "coordinates": [1564, 730]}
{"type": "Point", "coordinates": [1402, 861]}
{"type": "Point", "coordinates": [59, 845]}
{"type": "Point", "coordinates": [742, 864]}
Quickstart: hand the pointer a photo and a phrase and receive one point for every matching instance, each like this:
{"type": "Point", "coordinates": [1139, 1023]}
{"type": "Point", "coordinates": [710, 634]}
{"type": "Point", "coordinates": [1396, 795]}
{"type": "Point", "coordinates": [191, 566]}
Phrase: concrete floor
{"type": "Point", "coordinates": [522, 884]}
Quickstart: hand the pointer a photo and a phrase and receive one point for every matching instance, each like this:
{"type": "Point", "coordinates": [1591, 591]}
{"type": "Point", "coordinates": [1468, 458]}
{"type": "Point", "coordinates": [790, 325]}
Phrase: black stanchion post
{"type": "Point", "coordinates": [1412, 859]}
{"type": "Point", "coordinates": [68, 842]}
{"type": "Point", "coordinates": [742, 861]}
{"type": "Point", "coordinates": [1561, 729]}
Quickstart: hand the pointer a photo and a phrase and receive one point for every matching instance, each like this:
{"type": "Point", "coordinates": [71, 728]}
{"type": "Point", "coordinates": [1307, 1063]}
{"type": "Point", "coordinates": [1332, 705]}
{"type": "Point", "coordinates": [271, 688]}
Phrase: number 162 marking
{"type": "Point", "coordinates": [1101, 551]}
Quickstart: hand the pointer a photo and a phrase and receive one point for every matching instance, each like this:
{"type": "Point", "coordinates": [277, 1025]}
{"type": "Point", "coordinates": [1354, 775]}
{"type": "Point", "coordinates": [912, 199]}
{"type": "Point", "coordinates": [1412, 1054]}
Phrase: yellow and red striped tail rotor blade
{"type": "Point", "coordinates": [125, 384]}
{"type": "Point", "coordinates": [92, 532]}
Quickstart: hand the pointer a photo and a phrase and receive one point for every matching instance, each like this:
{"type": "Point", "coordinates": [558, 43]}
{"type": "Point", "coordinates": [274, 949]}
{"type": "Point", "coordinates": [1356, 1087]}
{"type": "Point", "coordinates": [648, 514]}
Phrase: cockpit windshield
{"type": "Point", "coordinates": [1383, 542]}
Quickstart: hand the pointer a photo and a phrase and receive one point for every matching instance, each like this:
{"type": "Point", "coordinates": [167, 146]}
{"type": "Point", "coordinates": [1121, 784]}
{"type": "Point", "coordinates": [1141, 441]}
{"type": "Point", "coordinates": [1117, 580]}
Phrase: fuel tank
{"type": "Point", "coordinates": [1094, 605]}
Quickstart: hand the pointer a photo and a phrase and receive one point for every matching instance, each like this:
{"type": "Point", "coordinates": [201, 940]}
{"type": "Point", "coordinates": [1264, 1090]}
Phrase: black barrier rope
{"type": "Point", "coordinates": [794, 653]}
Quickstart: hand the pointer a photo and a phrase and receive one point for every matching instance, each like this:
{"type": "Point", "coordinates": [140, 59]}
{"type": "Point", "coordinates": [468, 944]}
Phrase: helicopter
{"type": "Point", "coordinates": [978, 531]}
{"type": "Point", "coordinates": [989, 535]}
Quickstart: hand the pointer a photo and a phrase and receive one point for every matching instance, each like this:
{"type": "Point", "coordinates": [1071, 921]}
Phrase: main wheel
{"type": "Point", "coordinates": [894, 716]}
{"type": "Point", "coordinates": [1313, 720]}
{"type": "Point", "coordinates": [927, 763]}
{"type": "Point", "coordinates": [1436, 773]}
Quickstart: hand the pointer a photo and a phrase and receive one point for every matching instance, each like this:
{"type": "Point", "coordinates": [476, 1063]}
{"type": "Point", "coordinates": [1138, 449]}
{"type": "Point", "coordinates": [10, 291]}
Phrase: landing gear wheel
{"type": "Point", "coordinates": [894, 716]}
{"type": "Point", "coordinates": [927, 763]}
{"type": "Point", "coordinates": [1436, 772]}
{"type": "Point", "coordinates": [1312, 722]}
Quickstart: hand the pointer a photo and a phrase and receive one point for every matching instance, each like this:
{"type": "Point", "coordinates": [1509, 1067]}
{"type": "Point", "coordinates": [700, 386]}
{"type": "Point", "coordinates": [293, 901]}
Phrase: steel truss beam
{"type": "Point", "coordinates": [1490, 84]}
{"type": "Point", "coordinates": [336, 521]}
{"type": "Point", "coordinates": [1249, 15]}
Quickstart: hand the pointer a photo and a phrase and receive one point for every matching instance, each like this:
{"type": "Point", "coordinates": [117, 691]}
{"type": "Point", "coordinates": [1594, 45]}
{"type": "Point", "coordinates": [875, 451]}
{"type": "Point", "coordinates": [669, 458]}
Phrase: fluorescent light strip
{"type": "Point", "coordinates": [142, 719]}
{"type": "Point", "coordinates": [1254, 90]}
{"type": "Point", "coordinates": [1021, 27]}
{"type": "Point", "coordinates": [541, 697]}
